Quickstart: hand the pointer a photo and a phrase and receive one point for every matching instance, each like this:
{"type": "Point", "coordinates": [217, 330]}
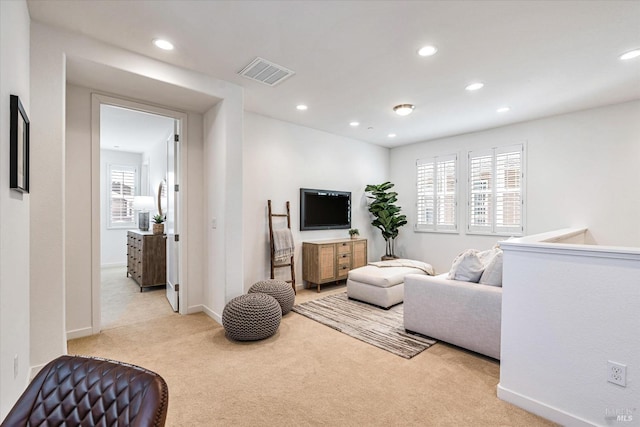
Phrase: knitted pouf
{"type": "Point", "coordinates": [279, 289]}
{"type": "Point", "coordinates": [251, 317]}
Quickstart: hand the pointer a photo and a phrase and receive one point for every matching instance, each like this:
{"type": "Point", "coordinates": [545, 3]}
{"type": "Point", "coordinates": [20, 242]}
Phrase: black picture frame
{"type": "Point", "coordinates": [19, 147]}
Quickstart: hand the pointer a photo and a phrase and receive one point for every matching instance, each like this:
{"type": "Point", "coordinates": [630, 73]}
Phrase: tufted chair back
{"type": "Point", "coordinates": [88, 391]}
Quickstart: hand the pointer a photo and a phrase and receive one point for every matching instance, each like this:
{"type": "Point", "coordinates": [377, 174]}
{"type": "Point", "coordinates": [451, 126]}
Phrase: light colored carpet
{"type": "Point", "coordinates": [122, 302]}
{"type": "Point", "coordinates": [374, 325]}
{"type": "Point", "coordinates": [306, 375]}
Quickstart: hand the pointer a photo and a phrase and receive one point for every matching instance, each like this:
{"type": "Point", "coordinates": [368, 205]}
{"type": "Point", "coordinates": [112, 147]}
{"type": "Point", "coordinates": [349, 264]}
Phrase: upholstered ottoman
{"type": "Point", "coordinates": [279, 289]}
{"type": "Point", "coordinates": [382, 283]}
{"type": "Point", "coordinates": [251, 317]}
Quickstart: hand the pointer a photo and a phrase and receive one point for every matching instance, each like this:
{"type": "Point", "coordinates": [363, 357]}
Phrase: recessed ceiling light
{"type": "Point", "coordinates": [354, 124]}
{"type": "Point", "coordinates": [392, 135]}
{"type": "Point", "coordinates": [630, 55]}
{"type": "Point", "coordinates": [427, 50]}
{"type": "Point", "coordinates": [503, 109]}
{"type": "Point", "coordinates": [302, 107]}
{"type": "Point", "coordinates": [404, 109]}
{"type": "Point", "coordinates": [163, 44]}
{"type": "Point", "coordinates": [474, 86]}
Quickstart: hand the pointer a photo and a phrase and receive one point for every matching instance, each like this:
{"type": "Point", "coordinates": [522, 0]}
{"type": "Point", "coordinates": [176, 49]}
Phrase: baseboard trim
{"type": "Point", "coordinates": [195, 309]}
{"type": "Point", "coordinates": [79, 333]}
{"type": "Point", "coordinates": [215, 316]}
{"type": "Point", "coordinates": [542, 409]}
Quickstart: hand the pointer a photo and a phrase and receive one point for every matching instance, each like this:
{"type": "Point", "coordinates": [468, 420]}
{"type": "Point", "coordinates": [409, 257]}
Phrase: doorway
{"type": "Point", "coordinates": [137, 154]}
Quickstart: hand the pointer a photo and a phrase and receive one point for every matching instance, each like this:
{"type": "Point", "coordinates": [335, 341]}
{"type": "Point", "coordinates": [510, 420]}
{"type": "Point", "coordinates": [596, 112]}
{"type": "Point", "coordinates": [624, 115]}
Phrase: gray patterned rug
{"type": "Point", "coordinates": [381, 328]}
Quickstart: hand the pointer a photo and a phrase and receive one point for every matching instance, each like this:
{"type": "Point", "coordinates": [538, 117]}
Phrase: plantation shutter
{"type": "Point", "coordinates": [436, 200]}
{"type": "Point", "coordinates": [496, 191]}
{"type": "Point", "coordinates": [123, 190]}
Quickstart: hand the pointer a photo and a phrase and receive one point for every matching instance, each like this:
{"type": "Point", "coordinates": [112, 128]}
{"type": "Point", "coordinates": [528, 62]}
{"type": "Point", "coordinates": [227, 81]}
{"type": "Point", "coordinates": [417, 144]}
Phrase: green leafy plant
{"type": "Point", "coordinates": [354, 232]}
{"type": "Point", "coordinates": [158, 219]}
{"type": "Point", "coordinates": [388, 217]}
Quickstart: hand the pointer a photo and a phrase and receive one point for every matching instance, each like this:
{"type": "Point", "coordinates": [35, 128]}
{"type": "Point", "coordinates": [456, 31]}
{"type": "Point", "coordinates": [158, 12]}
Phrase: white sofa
{"type": "Point", "coordinates": [461, 313]}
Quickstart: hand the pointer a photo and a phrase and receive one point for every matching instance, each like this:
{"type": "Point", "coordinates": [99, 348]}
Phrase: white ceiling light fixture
{"type": "Point", "coordinates": [392, 135]}
{"type": "Point", "coordinates": [302, 107]}
{"type": "Point", "coordinates": [474, 86]}
{"type": "Point", "coordinates": [354, 124]}
{"type": "Point", "coordinates": [503, 109]}
{"type": "Point", "coordinates": [163, 44]}
{"type": "Point", "coordinates": [427, 51]}
{"type": "Point", "coordinates": [630, 55]}
{"type": "Point", "coordinates": [404, 109]}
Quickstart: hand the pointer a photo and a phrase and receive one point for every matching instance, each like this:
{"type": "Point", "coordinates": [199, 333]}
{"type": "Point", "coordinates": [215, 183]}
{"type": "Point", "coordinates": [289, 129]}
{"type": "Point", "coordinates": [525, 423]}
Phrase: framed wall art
{"type": "Point", "coordinates": [19, 147]}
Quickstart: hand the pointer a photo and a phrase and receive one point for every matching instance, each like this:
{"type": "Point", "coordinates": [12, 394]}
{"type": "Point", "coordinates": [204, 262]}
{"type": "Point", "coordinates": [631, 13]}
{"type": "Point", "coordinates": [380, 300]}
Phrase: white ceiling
{"type": "Point", "coordinates": [132, 131]}
{"type": "Point", "coordinates": [355, 60]}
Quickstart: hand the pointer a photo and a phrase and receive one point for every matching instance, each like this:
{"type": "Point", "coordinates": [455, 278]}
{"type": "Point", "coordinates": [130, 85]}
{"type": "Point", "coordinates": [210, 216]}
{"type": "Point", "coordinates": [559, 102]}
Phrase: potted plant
{"type": "Point", "coordinates": [354, 233]}
{"type": "Point", "coordinates": [158, 226]}
{"type": "Point", "coordinates": [388, 218]}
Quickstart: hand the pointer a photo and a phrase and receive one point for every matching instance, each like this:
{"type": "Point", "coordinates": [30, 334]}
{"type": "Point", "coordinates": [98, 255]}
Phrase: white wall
{"type": "Point", "coordinates": [49, 48]}
{"type": "Point", "coordinates": [78, 208]}
{"type": "Point", "coordinates": [279, 159]}
{"type": "Point", "coordinates": [14, 210]}
{"type": "Point", "coordinates": [113, 241]}
{"type": "Point", "coordinates": [566, 311]}
{"type": "Point", "coordinates": [583, 169]}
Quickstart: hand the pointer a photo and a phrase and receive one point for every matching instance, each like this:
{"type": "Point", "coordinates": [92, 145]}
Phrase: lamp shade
{"type": "Point", "coordinates": [143, 203]}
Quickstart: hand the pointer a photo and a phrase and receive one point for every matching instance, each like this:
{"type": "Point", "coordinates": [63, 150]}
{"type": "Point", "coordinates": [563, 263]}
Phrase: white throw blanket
{"type": "Point", "coordinates": [282, 244]}
{"type": "Point", "coordinates": [427, 268]}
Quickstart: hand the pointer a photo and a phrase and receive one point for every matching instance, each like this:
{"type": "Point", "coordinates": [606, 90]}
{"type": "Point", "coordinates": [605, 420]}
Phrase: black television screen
{"type": "Point", "coordinates": [324, 209]}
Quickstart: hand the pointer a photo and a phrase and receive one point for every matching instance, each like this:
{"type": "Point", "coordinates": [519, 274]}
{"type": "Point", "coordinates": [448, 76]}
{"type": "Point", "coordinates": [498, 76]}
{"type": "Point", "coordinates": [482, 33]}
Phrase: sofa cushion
{"type": "Point", "coordinates": [492, 274]}
{"type": "Point", "coordinates": [467, 267]}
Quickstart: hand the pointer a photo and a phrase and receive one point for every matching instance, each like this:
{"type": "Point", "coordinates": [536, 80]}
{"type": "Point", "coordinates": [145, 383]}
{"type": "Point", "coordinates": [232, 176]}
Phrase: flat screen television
{"type": "Point", "coordinates": [324, 209]}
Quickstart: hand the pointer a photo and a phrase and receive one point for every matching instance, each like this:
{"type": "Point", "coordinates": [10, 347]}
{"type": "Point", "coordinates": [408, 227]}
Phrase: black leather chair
{"type": "Point", "coordinates": [89, 391]}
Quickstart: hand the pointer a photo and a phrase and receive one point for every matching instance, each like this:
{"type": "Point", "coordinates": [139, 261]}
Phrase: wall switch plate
{"type": "Point", "coordinates": [617, 373]}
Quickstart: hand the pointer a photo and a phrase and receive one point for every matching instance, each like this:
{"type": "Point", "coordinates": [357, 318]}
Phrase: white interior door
{"type": "Point", "coordinates": [171, 223]}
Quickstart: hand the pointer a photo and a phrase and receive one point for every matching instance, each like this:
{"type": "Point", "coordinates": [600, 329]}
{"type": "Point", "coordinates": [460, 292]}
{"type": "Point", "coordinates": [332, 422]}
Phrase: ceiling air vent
{"type": "Point", "coordinates": [266, 72]}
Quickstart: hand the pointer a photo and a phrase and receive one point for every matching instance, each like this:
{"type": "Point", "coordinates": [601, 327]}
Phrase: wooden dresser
{"type": "Point", "coordinates": [325, 261]}
{"type": "Point", "coordinates": [146, 258]}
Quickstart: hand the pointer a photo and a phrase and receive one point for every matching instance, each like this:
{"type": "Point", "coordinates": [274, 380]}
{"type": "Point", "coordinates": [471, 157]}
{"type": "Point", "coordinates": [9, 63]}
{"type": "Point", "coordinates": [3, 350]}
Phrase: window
{"type": "Point", "coordinates": [123, 189]}
{"type": "Point", "coordinates": [496, 197]}
{"type": "Point", "coordinates": [437, 194]}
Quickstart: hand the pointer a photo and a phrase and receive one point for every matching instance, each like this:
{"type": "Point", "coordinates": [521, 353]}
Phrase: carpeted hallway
{"type": "Point", "coordinates": [306, 374]}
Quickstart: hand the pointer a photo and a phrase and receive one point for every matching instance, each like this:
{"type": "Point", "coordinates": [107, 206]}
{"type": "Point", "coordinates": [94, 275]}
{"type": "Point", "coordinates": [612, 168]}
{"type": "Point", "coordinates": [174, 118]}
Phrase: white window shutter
{"type": "Point", "coordinates": [122, 181]}
{"type": "Point", "coordinates": [495, 203]}
{"type": "Point", "coordinates": [437, 183]}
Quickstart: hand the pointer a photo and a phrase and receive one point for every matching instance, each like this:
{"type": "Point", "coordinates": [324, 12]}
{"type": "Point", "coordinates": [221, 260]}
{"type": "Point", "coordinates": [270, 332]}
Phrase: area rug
{"type": "Point", "coordinates": [381, 328]}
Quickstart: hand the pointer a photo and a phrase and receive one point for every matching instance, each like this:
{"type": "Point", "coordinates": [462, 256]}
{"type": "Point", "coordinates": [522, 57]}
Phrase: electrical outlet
{"type": "Point", "coordinates": [15, 366]}
{"type": "Point", "coordinates": [617, 373]}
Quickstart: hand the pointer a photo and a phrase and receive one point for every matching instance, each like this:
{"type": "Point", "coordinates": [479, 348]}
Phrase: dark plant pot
{"type": "Point", "coordinates": [387, 257]}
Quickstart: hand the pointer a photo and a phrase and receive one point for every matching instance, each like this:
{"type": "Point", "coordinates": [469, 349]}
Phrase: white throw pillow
{"type": "Point", "coordinates": [466, 267]}
{"type": "Point", "coordinates": [492, 274]}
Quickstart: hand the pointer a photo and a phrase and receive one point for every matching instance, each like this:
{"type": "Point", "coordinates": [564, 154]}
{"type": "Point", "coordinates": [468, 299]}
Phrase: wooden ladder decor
{"type": "Point", "coordinates": [273, 251]}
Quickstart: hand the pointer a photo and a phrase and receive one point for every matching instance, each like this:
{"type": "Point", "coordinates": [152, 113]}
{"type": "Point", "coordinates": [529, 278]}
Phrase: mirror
{"type": "Point", "coordinates": [162, 196]}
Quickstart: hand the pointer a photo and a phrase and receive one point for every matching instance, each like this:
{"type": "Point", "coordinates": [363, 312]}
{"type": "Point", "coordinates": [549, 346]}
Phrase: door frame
{"type": "Point", "coordinates": [98, 99]}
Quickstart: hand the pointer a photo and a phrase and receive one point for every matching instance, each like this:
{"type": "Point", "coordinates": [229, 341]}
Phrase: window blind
{"type": "Point", "coordinates": [496, 191]}
{"type": "Point", "coordinates": [436, 201]}
{"type": "Point", "coordinates": [123, 190]}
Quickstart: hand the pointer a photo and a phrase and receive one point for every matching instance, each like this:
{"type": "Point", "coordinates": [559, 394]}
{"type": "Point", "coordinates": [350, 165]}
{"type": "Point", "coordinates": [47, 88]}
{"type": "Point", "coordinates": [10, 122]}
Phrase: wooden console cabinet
{"type": "Point", "coordinates": [146, 258]}
{"type": "Point", "coordinates": [325, 261]}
